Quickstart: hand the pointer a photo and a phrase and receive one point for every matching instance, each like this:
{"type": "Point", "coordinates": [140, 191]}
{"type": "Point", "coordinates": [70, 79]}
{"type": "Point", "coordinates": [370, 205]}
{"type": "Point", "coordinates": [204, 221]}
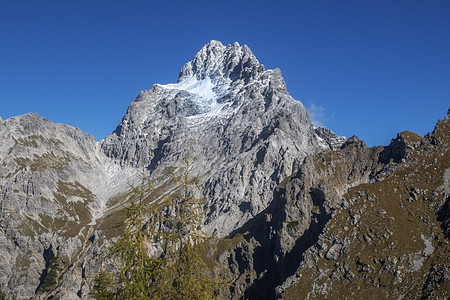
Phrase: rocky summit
{"type": "Point", "coordinates": [298, 211]}
{"type": "Point", "coordinates": [235, 118]}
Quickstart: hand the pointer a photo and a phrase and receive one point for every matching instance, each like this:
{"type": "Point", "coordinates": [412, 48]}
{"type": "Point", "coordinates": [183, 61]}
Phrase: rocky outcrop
{"type": "Point", "coordinates": [330, 138]}
{"type": "Point", "coordinates": [388, 241]}
{"type": "Point", "coordinates": [51, 186]}
{"type": "Point", "coordinates": [299, 212]}
{"type": "Point", "coordinates": [352, 222]}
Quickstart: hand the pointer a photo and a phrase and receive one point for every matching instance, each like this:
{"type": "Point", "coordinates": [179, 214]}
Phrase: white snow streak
{"type": "Point", "coordinates": [117, 180]}
{"type": "Point", "coordinates": [207, 92]}
{"type": "Point", "coordinates": [202, 88]}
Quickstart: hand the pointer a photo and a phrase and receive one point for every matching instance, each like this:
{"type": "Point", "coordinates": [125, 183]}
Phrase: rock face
{"type": "Point", "coordinates": [330, 138]}
{"type": "Point", "coordinates": [235, 118]}
{"type": "Point", "coordinates": [51, 186]}
{"type": "Point", "coordinates": [389, 233]}
{"type": "Point", "coordinates": [301, 209]}
{"type": "Point", "coordinates": [352, 223]}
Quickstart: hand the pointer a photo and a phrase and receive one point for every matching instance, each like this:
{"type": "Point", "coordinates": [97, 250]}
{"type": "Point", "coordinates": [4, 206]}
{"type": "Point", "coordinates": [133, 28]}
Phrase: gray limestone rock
{"type": "Point", "coordinates": [330, 138]}
{"type": "Point", "coordinates": [301, 207]}
{"type": "Point", "coordinates": [51, 186]}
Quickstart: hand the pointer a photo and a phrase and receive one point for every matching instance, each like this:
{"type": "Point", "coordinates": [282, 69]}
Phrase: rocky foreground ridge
{"type": "Point", "coordinates": [290, 203]}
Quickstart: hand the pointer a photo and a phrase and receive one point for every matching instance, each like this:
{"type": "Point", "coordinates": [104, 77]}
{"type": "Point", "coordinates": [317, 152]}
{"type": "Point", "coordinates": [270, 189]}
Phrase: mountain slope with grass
{"type": "Point", "coordinates": [351, 223]}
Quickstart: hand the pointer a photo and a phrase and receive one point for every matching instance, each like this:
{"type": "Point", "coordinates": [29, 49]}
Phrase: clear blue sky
{"type": "Point", "coordinates": [370, 68]}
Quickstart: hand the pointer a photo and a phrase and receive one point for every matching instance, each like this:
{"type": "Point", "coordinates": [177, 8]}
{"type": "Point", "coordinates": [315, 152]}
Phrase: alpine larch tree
{"type": "Point", "coordinates": [160, 249]}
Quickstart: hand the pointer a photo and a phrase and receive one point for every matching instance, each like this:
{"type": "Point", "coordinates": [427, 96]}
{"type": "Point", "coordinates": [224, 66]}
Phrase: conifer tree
{"type": "Point", "coordinates": [160, 249]}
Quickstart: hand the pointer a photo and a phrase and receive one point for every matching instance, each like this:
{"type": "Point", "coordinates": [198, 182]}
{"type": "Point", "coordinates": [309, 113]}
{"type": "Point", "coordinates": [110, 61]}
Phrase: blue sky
{"type": "Point", "coordinates": [370, 68]}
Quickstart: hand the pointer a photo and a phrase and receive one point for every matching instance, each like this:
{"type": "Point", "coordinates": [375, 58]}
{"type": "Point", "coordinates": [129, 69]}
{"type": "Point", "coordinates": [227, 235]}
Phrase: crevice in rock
{"type": "Point", "coordinates": [48, 255]}
{"type": "Point", "coordinates": [158, 154]}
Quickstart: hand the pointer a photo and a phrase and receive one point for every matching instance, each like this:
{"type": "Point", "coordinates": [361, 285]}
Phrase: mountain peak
{"type": "Point", "coordinates": [216, 61]}
{"type": "Point", "coordinates": [214, 44]}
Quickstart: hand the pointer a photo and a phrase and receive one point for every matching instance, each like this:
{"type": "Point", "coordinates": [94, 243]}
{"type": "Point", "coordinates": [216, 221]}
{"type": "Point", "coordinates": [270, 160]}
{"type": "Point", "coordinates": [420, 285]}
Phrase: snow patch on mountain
{"type": "Point", "coordinates": [202, 88]}
{"type": "Point", "coordinates": [117, 181]}
{"type": "Point", "coordinates": [208, 91]}
{"type": "Point", "coordinates": [118, 177]}
{"type": "Point", "coordinates": [206, 94]}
